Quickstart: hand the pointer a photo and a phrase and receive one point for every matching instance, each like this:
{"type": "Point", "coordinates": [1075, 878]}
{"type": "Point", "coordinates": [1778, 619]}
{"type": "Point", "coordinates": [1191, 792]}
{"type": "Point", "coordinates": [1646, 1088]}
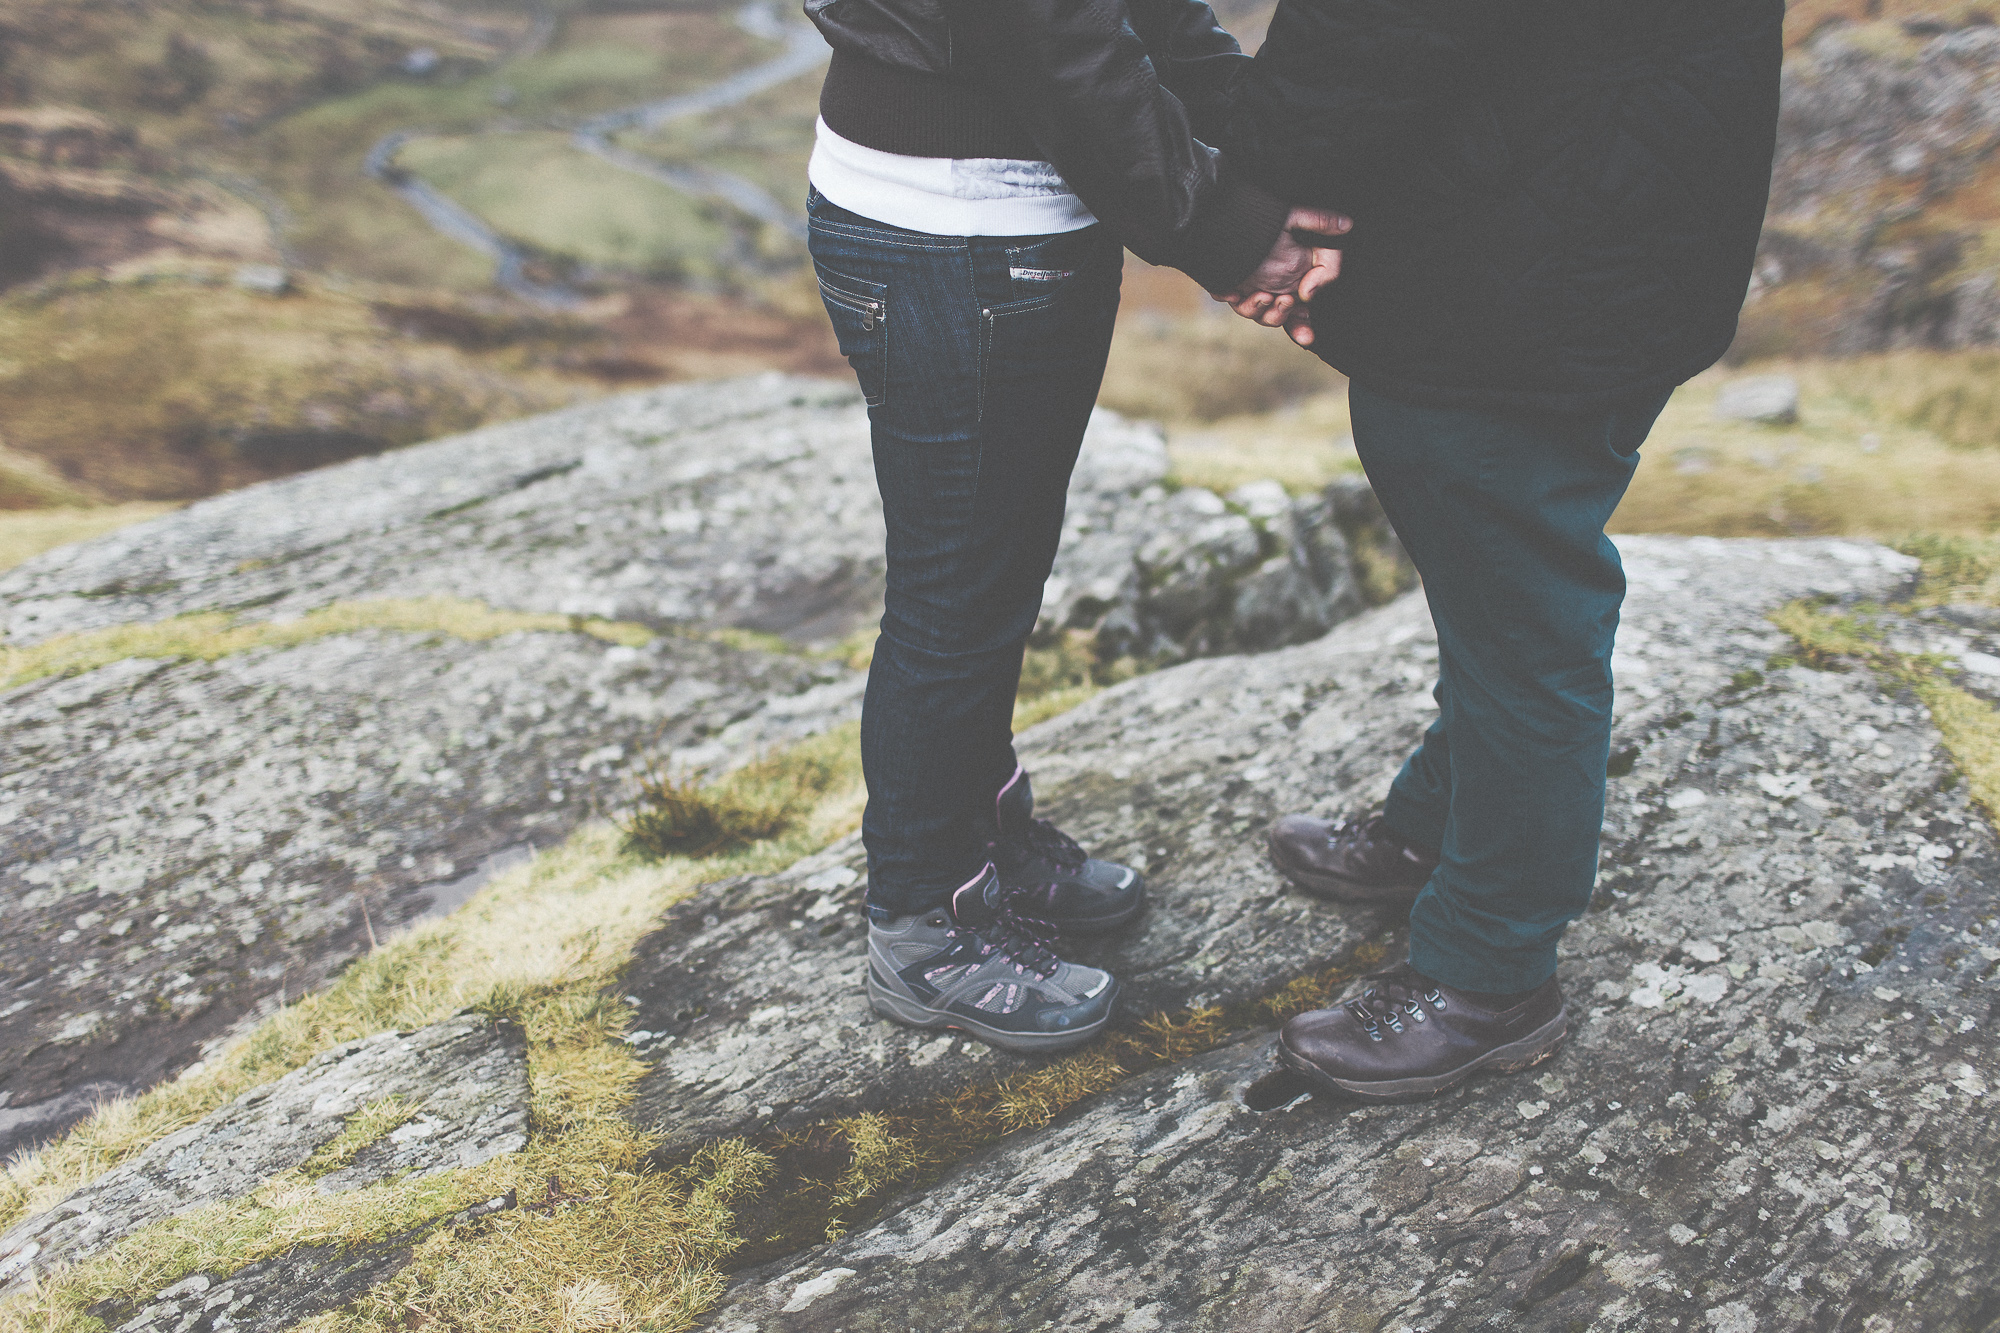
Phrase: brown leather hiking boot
{"type": "Point", "coordinates": [1359, 861]}
{"type": "Point", "coordinates": [1406, 1038]}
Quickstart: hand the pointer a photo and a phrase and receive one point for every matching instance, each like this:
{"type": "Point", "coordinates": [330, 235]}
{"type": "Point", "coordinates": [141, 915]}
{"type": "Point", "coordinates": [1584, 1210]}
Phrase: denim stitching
{"type": "Point", "coordinates": [874, 237]}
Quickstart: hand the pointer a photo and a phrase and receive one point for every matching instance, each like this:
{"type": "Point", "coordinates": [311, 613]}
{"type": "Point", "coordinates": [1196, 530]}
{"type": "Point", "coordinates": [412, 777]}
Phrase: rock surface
{"type": "Point", "coordinates": [1772, 1112]}
{"type": "Point", "coordinates": [463, 1085]}
{"type": "Point", "coordinates": [745, 503]}
{"type": "Point", "coordinates": [269, 1295]}
{"type": "Point", "coordinates": [1167, 577]}
{"type": "Point", "coordinates": [183, 844]}
{"type": "Point", "coordinates": [190, 842]}
{"type": "Point", "coordinates": [1767, 400]}
{"type": "Point", "coordinates": [749, 996]}
{"type": "Point", "coordinates": [749, 999]}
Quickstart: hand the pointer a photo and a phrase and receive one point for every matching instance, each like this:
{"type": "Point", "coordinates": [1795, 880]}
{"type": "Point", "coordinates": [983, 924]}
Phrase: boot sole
{"type": "Point", "coordinates": [911, 1014]}
{"type": "Point", "coordinates": [1512, 1058]}
{"type": "Point", "coordinates": [1321, 884]}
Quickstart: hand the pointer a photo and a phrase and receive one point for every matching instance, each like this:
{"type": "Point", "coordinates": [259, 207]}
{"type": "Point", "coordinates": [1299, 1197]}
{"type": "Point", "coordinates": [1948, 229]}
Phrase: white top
{"type": "Point", "coordinates": [945, 196]}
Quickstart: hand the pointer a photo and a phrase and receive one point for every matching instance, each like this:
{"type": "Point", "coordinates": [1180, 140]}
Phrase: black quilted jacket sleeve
{"type": "Point", "coordinates": [1341, 87]}
{"type": "Point", "coordinates": [1121, 125]}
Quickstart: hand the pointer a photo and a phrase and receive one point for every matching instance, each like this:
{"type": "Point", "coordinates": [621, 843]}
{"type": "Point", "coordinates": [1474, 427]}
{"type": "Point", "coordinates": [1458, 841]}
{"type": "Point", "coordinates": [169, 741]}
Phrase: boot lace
{"type": "Point", "coordinates": [1399, 999]}
{"type": "Point", "coordinates": [1043, 839]}
{"type": "Point", "coordinates": [1028, 941]}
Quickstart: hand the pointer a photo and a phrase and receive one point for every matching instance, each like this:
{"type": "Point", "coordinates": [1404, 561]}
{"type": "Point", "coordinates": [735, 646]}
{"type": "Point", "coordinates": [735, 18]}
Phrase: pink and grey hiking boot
{"type": "Point", "coordinates": [977, 967]}
{"type": "Point", "coordinates": [1046, 876]}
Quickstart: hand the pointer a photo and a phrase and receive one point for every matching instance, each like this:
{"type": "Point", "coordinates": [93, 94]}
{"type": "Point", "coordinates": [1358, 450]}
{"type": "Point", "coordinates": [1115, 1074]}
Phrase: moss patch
{"type": "Point", "coordinates": [827, 1178]}
{"type": "Point", "coordinates": [685, 816]}
{"type": "Point", "coordinates": [208, 635]}
{"type": "Point", "coordinates": [1969, 725]}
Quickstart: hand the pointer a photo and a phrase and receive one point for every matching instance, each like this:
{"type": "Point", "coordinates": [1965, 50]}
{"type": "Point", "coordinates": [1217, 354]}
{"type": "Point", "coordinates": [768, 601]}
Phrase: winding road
{"type": "Point", "coordinates": [804, 51]}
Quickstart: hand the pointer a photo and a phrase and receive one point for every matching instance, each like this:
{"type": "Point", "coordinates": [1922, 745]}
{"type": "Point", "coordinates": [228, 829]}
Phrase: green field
{"type": "Point", "coordinates": [526, 183]}
{"type": "Point", "coordinates": [537, 188]}
{"type": "Point", "coordinates": [765, 140]}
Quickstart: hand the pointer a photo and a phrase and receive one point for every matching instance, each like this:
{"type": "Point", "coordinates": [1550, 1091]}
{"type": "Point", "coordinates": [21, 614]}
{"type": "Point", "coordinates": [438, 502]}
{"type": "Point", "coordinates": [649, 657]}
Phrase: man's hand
{"type": "Point", "coordinates": [1272, 292]}
{"type": "Point", "coordinates": [1298, 322]}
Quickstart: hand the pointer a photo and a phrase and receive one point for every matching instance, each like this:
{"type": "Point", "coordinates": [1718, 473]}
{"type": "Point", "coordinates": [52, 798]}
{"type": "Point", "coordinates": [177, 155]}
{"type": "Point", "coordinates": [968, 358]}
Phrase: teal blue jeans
{"type": "Point", "coordinates": [1504, 513]}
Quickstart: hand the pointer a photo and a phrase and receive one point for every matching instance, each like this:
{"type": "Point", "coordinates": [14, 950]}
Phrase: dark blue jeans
{"type": "Point", "coordinates": [980, 359]}
{"type": "Point", "coordinates": [1504, 513]}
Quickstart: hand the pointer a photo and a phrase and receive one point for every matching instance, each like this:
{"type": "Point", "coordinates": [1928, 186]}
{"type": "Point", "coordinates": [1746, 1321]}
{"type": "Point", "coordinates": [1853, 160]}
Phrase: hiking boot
{"type": "Point", "coordinates": [976, 967]}
{"type": "Point", "coordinates": [1407, 1038]}
{"type": "Point", "coordinates": [1047, 876]}
{"type": "Point", "coordinates": [1360, 861]}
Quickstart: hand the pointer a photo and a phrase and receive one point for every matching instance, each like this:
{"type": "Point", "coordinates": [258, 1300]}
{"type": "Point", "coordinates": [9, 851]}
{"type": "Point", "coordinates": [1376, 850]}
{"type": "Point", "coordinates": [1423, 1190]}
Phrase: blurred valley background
{"type": "Point", "coordinates": [242, 238]}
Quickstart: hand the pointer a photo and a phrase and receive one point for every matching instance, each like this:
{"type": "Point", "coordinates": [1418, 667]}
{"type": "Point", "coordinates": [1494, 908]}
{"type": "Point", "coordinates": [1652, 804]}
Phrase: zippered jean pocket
{"type": "Point", "coordinates": [860, 314]}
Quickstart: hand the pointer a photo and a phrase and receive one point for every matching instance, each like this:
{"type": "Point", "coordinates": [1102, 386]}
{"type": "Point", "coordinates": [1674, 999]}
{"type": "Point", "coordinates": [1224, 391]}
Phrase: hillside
{"type": "Point", "coordinates": [193, 252]}
{"type": "Point", "coordinates": [214, 244]}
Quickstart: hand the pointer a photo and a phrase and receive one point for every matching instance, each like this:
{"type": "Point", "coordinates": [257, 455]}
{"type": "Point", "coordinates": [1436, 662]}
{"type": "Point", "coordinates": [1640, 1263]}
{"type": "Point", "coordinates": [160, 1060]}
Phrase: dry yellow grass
{"type": "Point", "coordinates": [1887, 445]}
{"type": "Point", "coordinates": [1805, 17]}
{"type": "Point", "coordinates": [26, 533]}
{"type": "Point", "coordinates": [1304, 445]}
{"type": "Point", "coordinates": [1205, 367]}
{"type": "Point", "coordinates": [208, 635]}
{"type": "Point", "coordinates": [177, 383]}
{"type": "Point", "coordinates": [1867, 458]}
{"type": "Point", "coordinates": [683, 815]}
{"type": "Point", "coordinates": [28, 482]}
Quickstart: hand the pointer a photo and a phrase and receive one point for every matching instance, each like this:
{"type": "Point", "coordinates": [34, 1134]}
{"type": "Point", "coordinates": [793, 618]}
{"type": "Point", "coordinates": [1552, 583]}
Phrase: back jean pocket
{"type": "Point", "coordinates": [860, 314]}
{"type": "Point", "coordinates": [1045, 265]}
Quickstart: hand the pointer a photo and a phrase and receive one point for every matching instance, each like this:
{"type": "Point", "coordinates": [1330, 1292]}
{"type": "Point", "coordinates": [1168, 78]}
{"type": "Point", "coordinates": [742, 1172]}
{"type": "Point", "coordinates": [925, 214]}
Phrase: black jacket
{"type": "Point", "coordinates": [1118, 94]}
{"type": "Point", "coordinates": [1556, 202]}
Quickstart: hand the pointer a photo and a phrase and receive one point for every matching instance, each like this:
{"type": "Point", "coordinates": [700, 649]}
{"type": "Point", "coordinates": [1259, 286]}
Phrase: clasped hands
{"type": "Point", "coordinates": [1280, 290]}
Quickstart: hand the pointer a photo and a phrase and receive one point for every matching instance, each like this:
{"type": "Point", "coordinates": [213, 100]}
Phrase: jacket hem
{"type": "Point", "coordinates": [1420, 392]}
